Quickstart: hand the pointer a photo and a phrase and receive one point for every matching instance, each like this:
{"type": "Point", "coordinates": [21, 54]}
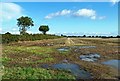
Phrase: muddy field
{"type": "Point", "coordinates": [88, 54]}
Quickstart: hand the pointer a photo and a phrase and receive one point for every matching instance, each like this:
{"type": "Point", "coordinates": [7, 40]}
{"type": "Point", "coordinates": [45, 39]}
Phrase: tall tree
{"type": "Point", "coordinates": [44, 29]}
{"type": "Point", "coordinates": [24, 23]}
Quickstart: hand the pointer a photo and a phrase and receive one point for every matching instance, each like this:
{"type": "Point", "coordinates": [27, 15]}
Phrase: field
{"type": "Point", "coordinates": [23, 59]}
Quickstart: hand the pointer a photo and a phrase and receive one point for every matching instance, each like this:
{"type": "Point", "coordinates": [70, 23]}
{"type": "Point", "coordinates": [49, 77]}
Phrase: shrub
{"type": "Point", "coordinates": [7, 38]}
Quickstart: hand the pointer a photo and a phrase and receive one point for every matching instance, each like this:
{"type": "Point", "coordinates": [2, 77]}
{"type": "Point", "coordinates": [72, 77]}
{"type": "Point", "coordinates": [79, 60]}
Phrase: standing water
{"type": "Point", "coordinates": [63, 49]}
{"type": "Point", "coordinates": [73, 68]}
{"type": "Point", "coordinates": [90, 57]}
{"type": "Point", "coordinates": [113, 63]}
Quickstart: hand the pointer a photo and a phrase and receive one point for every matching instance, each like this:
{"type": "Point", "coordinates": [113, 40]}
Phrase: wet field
{"type": "Point", "coordinates": [82, 58]}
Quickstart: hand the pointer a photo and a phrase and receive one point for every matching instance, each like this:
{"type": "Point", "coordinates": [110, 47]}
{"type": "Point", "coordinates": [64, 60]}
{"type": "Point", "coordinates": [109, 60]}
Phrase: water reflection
{"type": "Point", "coordinates": [90, 57]}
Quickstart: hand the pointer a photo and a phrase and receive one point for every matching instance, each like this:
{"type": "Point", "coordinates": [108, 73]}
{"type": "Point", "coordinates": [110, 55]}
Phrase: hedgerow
{"type": "Point", "coordinates": [7, 38]}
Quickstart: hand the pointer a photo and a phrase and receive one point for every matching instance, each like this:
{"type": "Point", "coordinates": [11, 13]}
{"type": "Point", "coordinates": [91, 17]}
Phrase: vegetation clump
{"type": "Point", "coordinates": [7, 38]}
{"type": "Point", "coordinates": [44, 28]}
{"type": "Point", "coordinates": [24, 23]}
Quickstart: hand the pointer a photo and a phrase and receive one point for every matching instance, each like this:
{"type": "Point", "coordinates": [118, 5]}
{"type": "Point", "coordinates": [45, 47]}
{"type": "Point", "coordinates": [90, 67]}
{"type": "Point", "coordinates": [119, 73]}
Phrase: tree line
{"type": "Point", "coordinates": [84, 36]}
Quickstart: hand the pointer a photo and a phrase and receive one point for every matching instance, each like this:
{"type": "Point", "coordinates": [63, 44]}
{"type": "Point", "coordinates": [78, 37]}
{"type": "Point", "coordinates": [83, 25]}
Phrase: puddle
{"type": "Point", "coordinates": [84, 47]}
{"type": "Point", "coordinates": [73, 68]}
{"type": "Point", "coordinates": [75, 47]}
{"type": "Point", "coordinates": [90, 57]}
{"type": "Point", "coordinates": [113, 63]}
{"type": "Point", "coordinates": [63, 49]}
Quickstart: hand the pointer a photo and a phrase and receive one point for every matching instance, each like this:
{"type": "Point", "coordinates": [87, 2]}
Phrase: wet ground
{"type": "Point", "coordinates": [114, 63]}
{"type": "Point", "coordinates": [63, 49]}
{"type": "Point", "coordinates": [74, 69]}
{"type": "Point", "coordinates": [84, 58]}
{"type": "Point", "coordinates": [90, 57]}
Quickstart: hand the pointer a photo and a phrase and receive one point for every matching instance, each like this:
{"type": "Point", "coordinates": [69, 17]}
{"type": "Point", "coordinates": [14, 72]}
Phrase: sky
{"type": "Point", "coordinates": [68, 18]}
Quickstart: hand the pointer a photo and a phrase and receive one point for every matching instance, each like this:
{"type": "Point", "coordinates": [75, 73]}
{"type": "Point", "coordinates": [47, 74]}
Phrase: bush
{"type": "Point", "coordinates": [7, 38]}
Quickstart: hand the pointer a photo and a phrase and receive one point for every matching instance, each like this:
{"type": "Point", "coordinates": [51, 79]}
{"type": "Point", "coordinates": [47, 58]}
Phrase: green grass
{"type": "Point", "coordinates": [21, 53]}
{"type": "Point", "coordinates": [43, 51]}
{"type": "Point", "coordinates": [22, 72]}
{"type": "Point", "coordinates": [33, 49]}
{"type": "Point", "coordinates": [17, 59]}
{"type": "Point", "coordinates": [35, 73]}
{"type": "Point", "coordinates": [45, 60]}
{"type": "Point", "coordinates": [5, 59]}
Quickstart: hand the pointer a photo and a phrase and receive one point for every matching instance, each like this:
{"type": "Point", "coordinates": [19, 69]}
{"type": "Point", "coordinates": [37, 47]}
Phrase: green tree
{"type": "Point", "coordinates": [24, 23]}
{"type": "Point", "coordinates": [44, 29]}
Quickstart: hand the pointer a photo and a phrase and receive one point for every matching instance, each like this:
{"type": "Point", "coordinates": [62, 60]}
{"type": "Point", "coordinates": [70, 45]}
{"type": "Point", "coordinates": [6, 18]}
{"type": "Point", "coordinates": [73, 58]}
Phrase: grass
{"type": "Point", "coordinates": [5, 59]}
{"type": "Point", "coordinates": [42, 51]}
{"type": "Point", "coordinates": [45, 60]}
{"type": "Point", "coordinates": [23, 61]}
{"type": "Point", "coordinates": [65, 52]}
{"type": "Point", "coordinates": [33, 55]}
{"type": "Point", "coordinates": [33, 49]}
{"type": "Point", "coordinates": [35, 73]}
{"type": "Point", "coordinates": [22, 54]}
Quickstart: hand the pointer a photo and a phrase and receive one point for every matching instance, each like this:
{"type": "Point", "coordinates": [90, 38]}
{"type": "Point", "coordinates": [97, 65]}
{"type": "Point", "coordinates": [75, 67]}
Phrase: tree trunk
{"type": "Point", "coordinates": [44, 33]}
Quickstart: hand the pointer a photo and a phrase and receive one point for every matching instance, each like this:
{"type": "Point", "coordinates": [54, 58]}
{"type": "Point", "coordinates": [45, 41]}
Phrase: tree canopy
{"type": "Point", "coordinates": [44, 29]}
{"type": "Point", "coordinates": [24, 23]}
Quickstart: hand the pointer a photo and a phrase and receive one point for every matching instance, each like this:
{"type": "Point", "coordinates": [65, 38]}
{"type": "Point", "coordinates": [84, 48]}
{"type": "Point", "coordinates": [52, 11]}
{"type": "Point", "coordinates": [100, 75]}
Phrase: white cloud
{"type": "Point", "coordinates": [15, 32]}
{"type": "Point", "coordinates": [89, 33]}
{"type": "Point", "coordinates": [11, 31]}
{"type": "Point", "coordinates": [30, 32]}
{"type": "Point", "coordinates": [0, 29]}
{"type": "Point", "coordinates": [35, 32]}
{"type": "Point", "coordinates": [10, 11]}
{"type": "Point", "coordinates": [102, 17]}
{"type": "Point", "coordinates": [59, 13]}
{"type": "Point", "coordinates": [93, 17]}
{"type": "Point", "coordinates": [114, 1]}
{"type": "Point", "coordinates": [65, 12]}
{"type": "Point", "coordinates": [86, 13]}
